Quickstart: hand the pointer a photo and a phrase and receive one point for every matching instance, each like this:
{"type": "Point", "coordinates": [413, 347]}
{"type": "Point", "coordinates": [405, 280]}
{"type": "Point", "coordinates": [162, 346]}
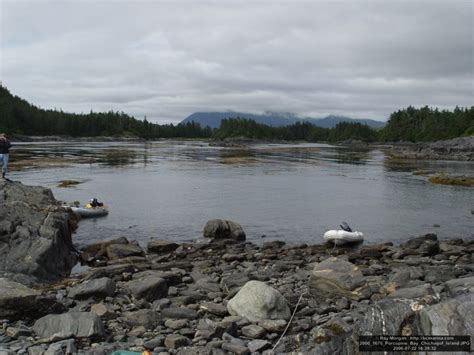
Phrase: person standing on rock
{"type": "Point", "coordinates": [4, 153]}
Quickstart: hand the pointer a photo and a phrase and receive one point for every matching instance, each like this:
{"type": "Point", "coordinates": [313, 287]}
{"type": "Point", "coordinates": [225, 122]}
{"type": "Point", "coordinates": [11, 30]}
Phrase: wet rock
{"type": "Point", "coordinates": [335, 276]}
{"type": "Point", "coordinates": [459, 286]}
{"type": "Point", "coordinates": [35, 233]}
{"type": "Point", "coordinates": [100, 249]}
{"type": "Point", "coordinates": [222, 229]}
{"type": "Point", "coordinates": [179, 313]}
{"type": "Point", "coordinates": [120, 251]}
{"type": "Point", "coordinates": [257, 301]}
{"type": "Point", "coordinates": [20, 302]}
{"type": "Point", "coordinates": [98, 288]}
{"type": "Point", "coordinates": [66, 325]}
{"type": "Point", "coordinates": [425, 245]}
{"type": "Point", "coordinates": [161, 246]}
{"type": "Point", "coordinates": [176, 341]}
{"type": "Point", "coordinates": [148, 289]}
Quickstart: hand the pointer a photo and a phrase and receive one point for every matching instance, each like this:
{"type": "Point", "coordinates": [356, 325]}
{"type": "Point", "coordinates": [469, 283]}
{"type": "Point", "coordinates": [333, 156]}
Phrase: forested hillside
{"type": "Point", "coordinates": [20, 117]}
{"type": "Point", "coordinates": [427, 124]}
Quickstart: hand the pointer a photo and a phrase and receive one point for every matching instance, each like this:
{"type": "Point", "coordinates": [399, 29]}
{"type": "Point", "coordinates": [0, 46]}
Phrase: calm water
{"type": "Point", "coordinates": [295, 193]}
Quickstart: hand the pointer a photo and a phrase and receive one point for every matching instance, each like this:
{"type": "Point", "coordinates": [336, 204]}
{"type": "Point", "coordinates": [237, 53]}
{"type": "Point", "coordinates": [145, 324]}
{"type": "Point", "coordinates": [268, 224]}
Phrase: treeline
{"type": "Point", "coordinates": [20, 117]}
{"type": "Point", "coordinates": [304, 131]}
{"type": "Point", "coordinates": [427, 124]}
{"type": "Point", "coordinates": [17, 116]}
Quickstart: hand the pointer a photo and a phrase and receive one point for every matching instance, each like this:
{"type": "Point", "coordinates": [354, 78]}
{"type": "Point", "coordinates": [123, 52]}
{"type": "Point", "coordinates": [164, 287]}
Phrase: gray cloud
{"type": "Point", "coordinates": [166, 60]}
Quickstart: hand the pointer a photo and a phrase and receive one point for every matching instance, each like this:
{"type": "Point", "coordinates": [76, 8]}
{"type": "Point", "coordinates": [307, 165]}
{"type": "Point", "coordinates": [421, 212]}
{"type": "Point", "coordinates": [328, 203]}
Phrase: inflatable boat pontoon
{"type": "Point", "coordinates": [90, 212]}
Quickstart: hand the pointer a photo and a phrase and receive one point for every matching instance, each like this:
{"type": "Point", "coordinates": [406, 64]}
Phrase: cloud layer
{"type": "Point", "coordinates": [165, 60]}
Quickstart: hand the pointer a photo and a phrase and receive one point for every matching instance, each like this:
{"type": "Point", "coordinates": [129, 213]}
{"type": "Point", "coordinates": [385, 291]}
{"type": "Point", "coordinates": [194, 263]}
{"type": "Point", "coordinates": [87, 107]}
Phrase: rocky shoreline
{"type": "Point", "coordinates": [461, 149]}
{"type": "Point", "coordinates": [227, 296]}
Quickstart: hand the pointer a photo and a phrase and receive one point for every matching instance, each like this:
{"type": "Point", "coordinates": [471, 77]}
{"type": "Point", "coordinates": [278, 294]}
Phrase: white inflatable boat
{"type": "Point", "coordinates": [90, 212]}
{"type": "Point", "coordinates": [339, 237]}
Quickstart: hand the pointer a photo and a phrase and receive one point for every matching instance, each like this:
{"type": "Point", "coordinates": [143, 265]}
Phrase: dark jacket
{"type": "Point", "coordinates": [4, 146]}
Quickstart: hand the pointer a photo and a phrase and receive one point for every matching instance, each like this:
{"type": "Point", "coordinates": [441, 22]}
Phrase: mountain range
{"type": "Point", "coordinates": [276, 119]}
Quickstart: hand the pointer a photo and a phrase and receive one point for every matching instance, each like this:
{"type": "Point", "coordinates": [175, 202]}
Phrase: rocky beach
{"type": "Point", "coordinates": [223, 295]}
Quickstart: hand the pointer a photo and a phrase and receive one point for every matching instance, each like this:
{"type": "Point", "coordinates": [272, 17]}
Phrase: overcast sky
{"type": "Point", "coordinates": [166, 60]}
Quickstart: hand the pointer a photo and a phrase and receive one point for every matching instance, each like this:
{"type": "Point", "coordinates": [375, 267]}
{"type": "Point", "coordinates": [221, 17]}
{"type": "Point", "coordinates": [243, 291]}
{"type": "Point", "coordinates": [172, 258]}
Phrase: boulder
{"type": "Point", "coordinates": [96, 288]}
{"type": "Point", "coordinates": [179, 313]}
{"type": "Point", "coordinates": [335, 277]}
{"type": "Point", "coordinates": [424, 245]}
{"type": "Point", "coordinates": [459, 286]}
{"type": "Point", "coordinates": [386, 317]}
{"type": "Point", "coordinates": [452, 317]}
{"type": "Point", "coordinates": [120, 251]}
{"type": "Point", "coordinates": [67, 325]}
{"type": "Point", "coordinates": [257, 301]}
{"type": "Point", "coordinates": [222, 229]}
{"type": "Point", "coordinates": [100, 248]}
{"type": "Point", "coordinates": [35, 233]}
{"type": "Point", "coordinates": [20, 302]}
{"type": "Point", "coordinates": [150, 289]}
{"type": "Point", "coordinates": [176, 341]}
{"type": "Point", "coordinates": [161, 246]}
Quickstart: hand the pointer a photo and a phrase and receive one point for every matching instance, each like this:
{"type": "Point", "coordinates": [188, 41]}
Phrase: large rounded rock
{"type": "Point", "coordinates": [257, 301]}
{"type": "Point", "coordinates": [222, 229]}
{"type": "Point", "coordinates": [35, 233]}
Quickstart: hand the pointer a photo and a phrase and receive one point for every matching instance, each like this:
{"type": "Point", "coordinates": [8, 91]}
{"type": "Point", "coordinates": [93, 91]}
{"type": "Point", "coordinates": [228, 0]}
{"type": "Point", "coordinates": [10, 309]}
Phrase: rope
{"type": "Point", "coordinates": [289, 322]}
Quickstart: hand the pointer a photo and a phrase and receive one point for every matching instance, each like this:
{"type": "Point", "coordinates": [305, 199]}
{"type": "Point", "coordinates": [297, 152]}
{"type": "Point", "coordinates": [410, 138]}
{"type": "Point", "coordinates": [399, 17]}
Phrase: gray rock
{"type": "Point", "coordinates": [20, 302]}
{"type": "Point", "coordinates": [161, 246]}
{"type": "Point", "coordinates": [335, 277]}
{"type": "Point", "coordinates": [459, 286]}
{"type": "Point", "coordinates": [66, 325]}
{"type": "Point", "coordinates": [257, 301]}
{"type": "Point", "coordinates": [98, 288]}
{"type": "Point", "coordinates": [176, 323]}
{"type": "Point", "coordinates": [149, 289]}
{"type": "Point", "coordinates": [253, 331]}
{"type": "Point", "coordinates": [386, 317]}
{"type": "Point", "coordinates": [214, 308]}
{"type": "Point", "coordinates": [103, 310]}
{"type": "Point", "coordinates": [235, 348]}
{"type": "Point", "coordinates": [208, 329]}
{"type": "Point", "coordinates": [451, 317]}
{"type": "Point", "coordinates": [179, 313]}
{"type": "Point", "coordinates": [120, 251]}
{"type": "Point", "coordinates": [234, 280]}
{"type": "Point", "coordinates": [258, 345]}
{"type": "Point", "coordinates": [175, 341]}
{"type": "Point", "coordinates": [142, 317]}
{"type": "Point", "coordinates": [424, 245]}
{"type": "Point", "coordinates": [35, 233]}
{"type": "Point", "coordinates": [413, 292]}
{"type": "Point", "coordinates": [222, 229]}
{"type": "Point", "coordinates": [273, 325]}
